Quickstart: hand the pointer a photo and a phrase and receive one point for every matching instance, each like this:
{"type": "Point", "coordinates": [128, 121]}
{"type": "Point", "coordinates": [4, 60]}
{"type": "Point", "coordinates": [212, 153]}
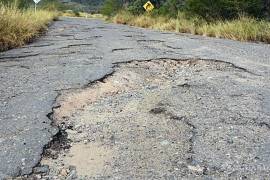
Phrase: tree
{"type": "Point", "coordinates": [110, 7]}
{"type": "Point", "coordinates": [171, 7]}
{"type": "Point", "coordinates": [136, 7]}
{"type": "Point", "coordinates": [225, 9]}
{"type": "Point", "coordinates": [266, 8]}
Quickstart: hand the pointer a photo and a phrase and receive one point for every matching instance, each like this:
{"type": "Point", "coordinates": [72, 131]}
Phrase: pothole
{"type": "Point", "coordinates": [162, 119]}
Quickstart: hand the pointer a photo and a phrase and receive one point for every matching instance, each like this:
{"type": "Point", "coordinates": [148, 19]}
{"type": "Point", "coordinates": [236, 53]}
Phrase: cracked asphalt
{"type": "Point", "coordinates": [222, 133]}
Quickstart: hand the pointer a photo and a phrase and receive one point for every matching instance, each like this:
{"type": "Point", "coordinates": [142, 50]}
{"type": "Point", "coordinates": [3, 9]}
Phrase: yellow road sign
{"type": "Point", "coordinates": [148, 6]}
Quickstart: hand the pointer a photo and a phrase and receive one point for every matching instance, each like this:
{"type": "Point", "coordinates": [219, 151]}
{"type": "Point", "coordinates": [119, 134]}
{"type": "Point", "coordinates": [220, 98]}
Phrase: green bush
{"type": "Point", "coordinates": [111, 7]}
{"type": "Point", "coordinates": [22, 4]}
{"type": "Point", "coordinates": [44, 4]}
{"type": "Point", "coordinates": [171, 7]}
{"type": "Point", "coordinates": [136, 7]}
{"type": "Point", "coordinates": [52, 5]}
{"type": "Point", "coordinates": [225, 9]}
{"type": "Point", "coordinates": [164, 7]}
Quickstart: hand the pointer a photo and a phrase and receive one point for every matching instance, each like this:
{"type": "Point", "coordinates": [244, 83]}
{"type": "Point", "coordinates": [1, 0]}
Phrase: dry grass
{"type": "Point", "coordinates": [19, 27]}
{"type": "Point", "coordinates": [70, 13]}
{"type": "Point", "coordinates": [242, 29]}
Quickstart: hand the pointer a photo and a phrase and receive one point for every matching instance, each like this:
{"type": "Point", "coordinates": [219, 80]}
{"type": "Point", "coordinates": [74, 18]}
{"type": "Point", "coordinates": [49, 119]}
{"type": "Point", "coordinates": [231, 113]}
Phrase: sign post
{"type": "Point", "coordinates": [36, 2]}
{"type": "Point", "coordinates": [148, 6]}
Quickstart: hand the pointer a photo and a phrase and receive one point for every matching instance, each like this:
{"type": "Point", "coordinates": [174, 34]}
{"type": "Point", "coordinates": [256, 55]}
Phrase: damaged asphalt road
{"type": "Point", "coordinates": [209, 115]}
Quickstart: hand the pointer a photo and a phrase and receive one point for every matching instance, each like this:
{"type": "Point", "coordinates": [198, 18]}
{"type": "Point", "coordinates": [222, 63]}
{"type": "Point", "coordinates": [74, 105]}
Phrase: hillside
{"type": "Point", "coordinates": [86, 5]}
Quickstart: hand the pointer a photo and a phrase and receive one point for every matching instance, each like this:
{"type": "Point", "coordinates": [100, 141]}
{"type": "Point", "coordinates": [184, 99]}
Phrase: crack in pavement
{"type": "Point", "coordinates": [120, 49]}
{"type": "Point", "coordinates": [172, 47]}
{"type": "Point", "coordinates": [162, 110]}
{"type": "Point", "coordinates": [17, 66]}
{"type": "Point", "coordinates": [76, 45]}
{"type": "Point", "coordinates": [17, 57]}
{"type": "Point", "coordinates": [150, 41]}
{"type": "Point", "coordinates": [41, 45]}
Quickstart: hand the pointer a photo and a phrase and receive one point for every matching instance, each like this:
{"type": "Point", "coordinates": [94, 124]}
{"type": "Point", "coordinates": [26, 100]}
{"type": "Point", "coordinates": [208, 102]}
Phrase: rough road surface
{"type": "Point", "coordinates": [132, 103]}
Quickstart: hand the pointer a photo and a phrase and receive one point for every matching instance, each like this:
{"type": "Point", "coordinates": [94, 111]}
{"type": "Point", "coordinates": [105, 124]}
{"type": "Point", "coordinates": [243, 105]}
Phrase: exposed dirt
{"type": "Point", "coordinates": [163, 119]}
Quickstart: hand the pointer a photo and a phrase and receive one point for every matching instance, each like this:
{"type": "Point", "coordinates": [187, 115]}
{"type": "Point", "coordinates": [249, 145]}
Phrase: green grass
{"type": "Point", "coordinates": [241, 29]}
{"type": "Point", "coordinates": [18, 27]}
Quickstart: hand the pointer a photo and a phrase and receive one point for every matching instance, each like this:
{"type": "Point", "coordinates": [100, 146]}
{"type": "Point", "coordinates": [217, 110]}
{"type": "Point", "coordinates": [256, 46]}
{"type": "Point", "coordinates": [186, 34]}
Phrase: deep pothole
{"type": "Point", "coordinates": [160, 119]}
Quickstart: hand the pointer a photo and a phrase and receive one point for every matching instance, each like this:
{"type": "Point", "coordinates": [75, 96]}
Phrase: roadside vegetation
{"type": "Point", "coordinates": [243, 20]}
{"type": "Point", "coordinates": [242, 28]}
{"type": "Point", "coordinates": [80, 14]}
{"type": "Point", "coordinates": [20, 24]}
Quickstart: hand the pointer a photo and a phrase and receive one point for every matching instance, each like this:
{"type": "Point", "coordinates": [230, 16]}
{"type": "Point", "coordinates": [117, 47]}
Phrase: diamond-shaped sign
{"type": "Point", "coordinates": [36, 1]}
{"type": "Point", "coordinates": [148, 6]}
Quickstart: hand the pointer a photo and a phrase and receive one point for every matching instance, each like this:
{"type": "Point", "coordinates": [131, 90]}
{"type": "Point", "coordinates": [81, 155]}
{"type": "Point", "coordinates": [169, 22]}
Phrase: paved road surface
{"type": "Point", "coordinates": [222, 132]}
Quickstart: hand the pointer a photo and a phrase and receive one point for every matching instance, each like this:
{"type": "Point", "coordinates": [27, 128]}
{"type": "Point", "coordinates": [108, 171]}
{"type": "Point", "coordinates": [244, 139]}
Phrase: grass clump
{"type": "Point", "coordinates": [145, 21]}
{"type": "Point", "coordinates": [242, 28]}
{"type": "Point", "coordinates": [18, 27]}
